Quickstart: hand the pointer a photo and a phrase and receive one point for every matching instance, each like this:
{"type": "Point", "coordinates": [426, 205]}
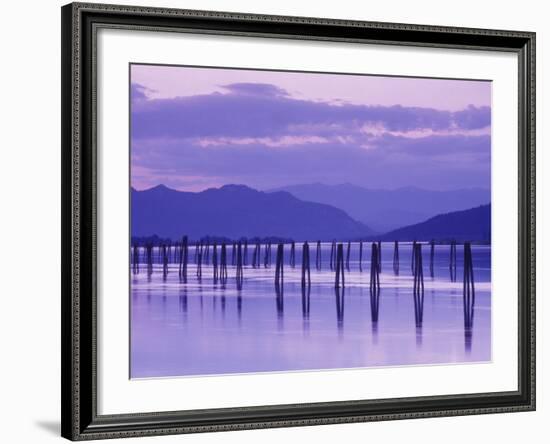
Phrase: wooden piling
{"type": "Point", "coordinates": [135, 259]}
{"type": "Point", "coordinates": [339, 278]}
{"type": "Point", "coordinates": [215, 271]}
{"type": "Point", "coordinates": [396, 258]}
{"type": "Point", "coordinates": [432, 256]}
{"type": "Point", "coordinates": [374, 266]}
{"type": "Point", "coordinates": [199, 261]}
{"type": "Point", "coordinates": [306, 275]}
{"type": "Point", "coordinates": [452, 261]}
{"type": "Point", "coordinates": [348, 255]}
{"type": "Point", "coordinates": [267, 255]}
{"type": "Point", "coordinates": [245, 252]}
{"type": "Point", "coordinates": [206, 256]}
{"type": "Point", "coordinates": [256, 256]}
{"type": "Point", "coordinates": [318, 256]}
{"type": "Point", "coordinates": [223, 264]}
{"type": "Point", "coordinates": [380, 256]}
{"type": "Point", "coordinates": [239, 277]}
{"type": "Point", "coordinates": [149, 253]}
{"type": "Point", "coordinates": [360, 256]}
{"type": "Point", "coordinates": [183, 258]}
{"type": "Point", "coordinates": [279, 265]}
{"type": "Point", "coordinates": [418, 286]}
{"type": "Point", "coordinates": [164, 260]}
{"type": "Point", "coordinates": [292, 254]}
{"type": "Point", "coordinates": [413, 258]}
{"type": "Point", "coordinates": [332, 255]}
{"type": "Point", "coordinates": [196, 255]}
{"type": "Point", "coordinates": [234, 254]}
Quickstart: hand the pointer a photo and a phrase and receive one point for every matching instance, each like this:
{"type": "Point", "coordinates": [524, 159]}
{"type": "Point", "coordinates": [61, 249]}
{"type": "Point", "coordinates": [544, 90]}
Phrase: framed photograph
{"type": "Point", "coordinates": [281, 221]}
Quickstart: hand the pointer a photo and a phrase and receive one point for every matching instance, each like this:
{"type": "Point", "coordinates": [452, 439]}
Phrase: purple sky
{"type": "Point", "coordinates": [195, 128]}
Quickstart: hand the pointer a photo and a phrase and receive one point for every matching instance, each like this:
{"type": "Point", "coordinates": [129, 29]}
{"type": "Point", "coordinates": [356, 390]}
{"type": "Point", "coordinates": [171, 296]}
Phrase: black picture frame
{"type": "Point", "coordinates": [79, 205]}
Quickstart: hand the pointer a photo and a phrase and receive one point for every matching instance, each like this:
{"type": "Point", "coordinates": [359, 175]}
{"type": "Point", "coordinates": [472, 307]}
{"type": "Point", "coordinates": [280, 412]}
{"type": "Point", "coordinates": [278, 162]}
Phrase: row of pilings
{"type": "Point", "coordinates": [218, 256]}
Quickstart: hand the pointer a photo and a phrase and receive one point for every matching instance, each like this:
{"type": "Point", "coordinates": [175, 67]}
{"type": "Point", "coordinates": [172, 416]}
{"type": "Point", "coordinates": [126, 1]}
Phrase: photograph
{"type": "Point", "coordinates": [285, 221]}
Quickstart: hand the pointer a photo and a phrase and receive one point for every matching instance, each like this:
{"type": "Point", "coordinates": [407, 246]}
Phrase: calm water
{"type": "Point", "coordinates": [202, 328]}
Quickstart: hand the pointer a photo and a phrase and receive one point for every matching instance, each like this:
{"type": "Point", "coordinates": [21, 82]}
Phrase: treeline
{"type": "Point", "coordinates": [158, 241]}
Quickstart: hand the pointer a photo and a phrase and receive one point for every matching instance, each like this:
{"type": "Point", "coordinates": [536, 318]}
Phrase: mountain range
{"type": "Point", "coordinates": [236, 211]}
{"type": "Point", "coordinates": [385, 210]}
{"type": "Point", "coordinates": [471, 224]}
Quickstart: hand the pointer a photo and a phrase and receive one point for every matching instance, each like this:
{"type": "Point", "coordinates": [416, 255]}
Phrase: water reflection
{"type": "Point", "coordinates": [340, 293]}
{"type": "Point", "coordinates": [239, 305]}
{"type": "Point", "coordinates": [280, 302]}
{"type": "Point", "coordinates": [374, 310]}
{"type": "Point", "coordinates": [306, 293]}
{"type": "Point", "coordinates": [468, 296]}
{"type": "Point", "coordinates": [183, 300]}
{"type": "Point", "coordinates": [418, 285]}
{"type": "Point", "coordinates": [239, 338]}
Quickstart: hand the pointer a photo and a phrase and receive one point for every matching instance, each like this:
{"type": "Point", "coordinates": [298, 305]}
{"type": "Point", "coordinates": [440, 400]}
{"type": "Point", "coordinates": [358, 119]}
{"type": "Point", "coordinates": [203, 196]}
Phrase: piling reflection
{"type": "Point", "coordinates": [239, 277]}
{"type": "Point", "coordinates": [279, 300]}
{"type": "Point", "coordinates": [239, 305]}
{"type": "Point", "coordinates": [306, 295]}
{"type": "Point", "coordinates": [340, 294]}
{"type": "Point", "coordinates": [468, 296]}
{"type": "Point", "coordinates": [396, 258]}
{"type": "Point", "coordinates": [183, 302]}
{"type": "Point", "coordinates": [374, 303]}
{"type": "Point", "coordinates": [223, 298]}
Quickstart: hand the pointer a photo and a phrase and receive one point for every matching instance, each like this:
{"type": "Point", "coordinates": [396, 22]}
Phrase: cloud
{"type": "Point", "coordinates": [473, 118]}
{"type": "Point", "coordinates": [263, 110]}
{"type": "Point", "coordinates": [434, 162]}
{"type": "Point", "coordinates": [260, 135]}
{"type": "Point", "coordinates": [256, 89]}
{"type": "Point", "coordinates": [138, 93]}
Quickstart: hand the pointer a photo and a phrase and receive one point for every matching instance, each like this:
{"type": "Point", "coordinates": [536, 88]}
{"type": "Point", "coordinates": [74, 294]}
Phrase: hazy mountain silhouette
{"type": "Point", "coordinates": [385, 210]}
{"type": "Point", "coordinates": [236, 211]}
{"type": "Point", "coordinates": [472, 225]}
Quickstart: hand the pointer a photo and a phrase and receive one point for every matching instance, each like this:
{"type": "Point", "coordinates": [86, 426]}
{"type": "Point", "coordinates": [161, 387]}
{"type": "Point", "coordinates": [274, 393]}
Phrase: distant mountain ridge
{"type": "Point", "coordinates": [235, 211]}
{"type": "Point", "coordinates": [385, 210]}
{"type": "Point", "coordinates": [473, 224]}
